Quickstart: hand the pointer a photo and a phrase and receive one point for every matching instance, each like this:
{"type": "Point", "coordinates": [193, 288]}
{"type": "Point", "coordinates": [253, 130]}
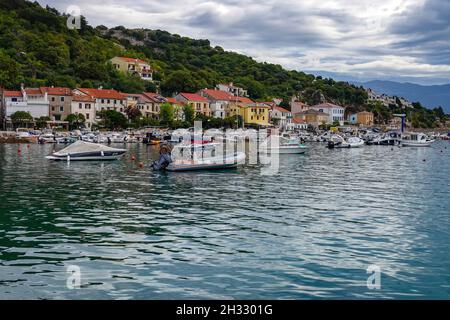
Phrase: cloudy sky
{"type": "Point", "coordinates": [402, 40]}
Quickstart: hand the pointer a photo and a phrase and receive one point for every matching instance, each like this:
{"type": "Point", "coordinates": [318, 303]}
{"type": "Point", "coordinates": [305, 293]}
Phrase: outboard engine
{"type": "Point", "coordinates": [165, 158]}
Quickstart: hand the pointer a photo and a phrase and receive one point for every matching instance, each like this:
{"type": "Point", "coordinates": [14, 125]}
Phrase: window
{"type": "Point", "coordinates": [87, 116]}
{"type": "Point", "coordinates": [53, 108]}
{"type": "Point", "coordinates": [108, 101]}
{"type": "Point", "coordinates": [14, 99]}
{"type": "Point", "coordinates": [87, 106]}
{"type": "Point", "coordinates": [103, 100]}
{"type": "Point", "coordinates": [80, 106]}
{"type": "Point", "coordinates": [62, 99]}
{"type": "Point", "coordinates": [61, 109]}
{"type": "Point", "coordinates": [53, 98]}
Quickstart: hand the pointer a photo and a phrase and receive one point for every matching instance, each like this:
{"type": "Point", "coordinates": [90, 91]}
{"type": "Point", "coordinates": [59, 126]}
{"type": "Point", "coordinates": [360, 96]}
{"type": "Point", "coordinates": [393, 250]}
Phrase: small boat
{"type": "Point", "coordinates": [337, 141]}
{"type": "Point", "coordinates": [200, 145]}
{"type": "Point", "coordinates": [47, 138]}
{"type": "Point", "coordinates": [82, 150]}
{"type": "Point", "coordinates": [213, 163]}
{"type": "Point", "coordinates": [285, 146]}
{"type": "Point", "coordinates": [390, 138]}
{"type": "Point", "coordinates": [67, 139]}
{"type": "Point", "coordinates": [416, 140]}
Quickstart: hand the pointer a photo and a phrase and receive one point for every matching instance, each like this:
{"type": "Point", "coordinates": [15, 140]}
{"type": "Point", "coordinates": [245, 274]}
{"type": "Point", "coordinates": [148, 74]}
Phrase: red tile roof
{"type": "Point", "coordinates": [80, 98]}
{"type": "Point", "coordinates": [132, 60]}
{"type": "Point", "coordinates": [297, 120]}
{"type": "Point", "coordinates": [281, 109]}
{"type": "Point", "coordinates": [174, 101]}
{"type": "Point", "coordinates": [34, 91]}
{"type": "Point", "coordinates": [102, 93]}
{"type": "Point", "coordinates": [57, 91]}
{"type": "Point", "coordinates": [12, 93]}
{"type": "Point", "coordinates": [244, 100]}
{"type": "Point", "coordinates": [193, 97]}
{"type": "Point", "coordinates": [217, 94]}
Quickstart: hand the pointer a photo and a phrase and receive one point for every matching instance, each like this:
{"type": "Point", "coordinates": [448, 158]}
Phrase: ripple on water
{"type": "Point", "coordinates": [309, 231]}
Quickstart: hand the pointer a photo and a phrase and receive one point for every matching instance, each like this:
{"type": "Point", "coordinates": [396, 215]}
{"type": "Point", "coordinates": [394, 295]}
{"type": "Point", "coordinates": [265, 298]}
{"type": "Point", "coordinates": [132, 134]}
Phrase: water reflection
{"type": "Point", "coordinates": [308, 232]}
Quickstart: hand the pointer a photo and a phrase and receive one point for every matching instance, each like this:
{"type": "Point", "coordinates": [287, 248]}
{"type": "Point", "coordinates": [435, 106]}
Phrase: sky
{"type": "Point", "coordinates": [353, 40]}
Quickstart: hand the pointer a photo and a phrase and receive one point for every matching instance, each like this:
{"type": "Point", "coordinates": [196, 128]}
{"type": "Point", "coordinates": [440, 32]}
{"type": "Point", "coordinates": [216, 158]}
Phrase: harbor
{"type": "Point", "coordinates": [309, 231]}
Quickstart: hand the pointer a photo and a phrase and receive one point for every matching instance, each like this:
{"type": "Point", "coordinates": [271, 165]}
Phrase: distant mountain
{"type": "Point", "coordinates": [428, 96]}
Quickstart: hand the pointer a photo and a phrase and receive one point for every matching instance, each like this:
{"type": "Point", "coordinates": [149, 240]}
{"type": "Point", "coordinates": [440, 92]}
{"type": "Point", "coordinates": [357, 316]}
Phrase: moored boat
{"type": "Point", "coordinates": [416, 140]}
{"type": "Point", "coordinates": [82, 150]}
{"type": "Point", "coordinates": [212, 163]}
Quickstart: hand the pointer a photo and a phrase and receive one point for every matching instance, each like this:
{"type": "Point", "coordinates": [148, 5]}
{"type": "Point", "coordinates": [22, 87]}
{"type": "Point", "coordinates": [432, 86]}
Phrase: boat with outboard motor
{"type": "Point", "coordinates": [82, 150]}
{"type": "Point", "coordinates": [416, 140]}
{"type": "Point", "coordinates": [338, 141]}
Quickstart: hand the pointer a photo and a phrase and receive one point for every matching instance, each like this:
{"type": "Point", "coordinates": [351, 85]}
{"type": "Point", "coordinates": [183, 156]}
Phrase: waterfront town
{"type": "Point", "coordinates": [54, 105]}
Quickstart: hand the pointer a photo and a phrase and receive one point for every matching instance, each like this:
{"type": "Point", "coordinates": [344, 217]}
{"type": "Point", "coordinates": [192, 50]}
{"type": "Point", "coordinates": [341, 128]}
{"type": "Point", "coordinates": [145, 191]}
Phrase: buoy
{"type": "Point", "coordinates": [28, 146]}
{"type": "Point", "coordinates": [141, 164]}
{"type": "Point", "coordinates": [424, 160]}
{"type": "Point", "coordinates": [133, 158]}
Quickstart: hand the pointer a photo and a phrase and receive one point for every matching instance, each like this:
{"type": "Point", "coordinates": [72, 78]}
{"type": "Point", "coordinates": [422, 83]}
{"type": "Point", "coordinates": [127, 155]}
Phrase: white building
{"type": "Point", "coordinates": [31, 100]}
{"type": "Point", "coordinates": [283, 116]}
{"type": "Point", "coordinates": [335, 112]}
{"type": "Point", "coordinates": [218, 101]}
{"type": "Point", "coordinates": [105, 99]}
{"type": "Point", "coordinates": [232, 89]}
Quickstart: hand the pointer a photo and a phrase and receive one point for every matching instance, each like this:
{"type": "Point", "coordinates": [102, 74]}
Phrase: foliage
{"type": "Point", "coordinates": [42, 122]}
{"type": "Point", "coordinates": [189, 113]}
{"type": "Point", "coordinates": [75, 120]}
{"type": "Point", "coordinates": [133, 113]}
{"type": "Point", "coordinates": [21, 116]}
{"type": "Point", "coordinates": [113, 120]}
{"type": "Point", "coordinates": [166, 114]}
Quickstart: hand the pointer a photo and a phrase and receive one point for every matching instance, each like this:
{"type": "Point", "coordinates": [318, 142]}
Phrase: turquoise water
{"type": "Point", "coordinates": [310, 231]}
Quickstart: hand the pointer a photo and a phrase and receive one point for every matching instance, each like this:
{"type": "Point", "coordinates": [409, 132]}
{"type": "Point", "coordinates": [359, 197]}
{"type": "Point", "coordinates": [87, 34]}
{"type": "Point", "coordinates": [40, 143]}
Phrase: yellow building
{"type": "Point", "coordinates": [133, 66]}
{"type": "Point", "coordinates": [251, 114]}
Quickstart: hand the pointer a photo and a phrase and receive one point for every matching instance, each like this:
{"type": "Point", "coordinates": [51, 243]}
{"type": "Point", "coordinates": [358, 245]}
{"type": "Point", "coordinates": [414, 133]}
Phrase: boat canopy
{"type": "Point", "coordinates": [85, 147]}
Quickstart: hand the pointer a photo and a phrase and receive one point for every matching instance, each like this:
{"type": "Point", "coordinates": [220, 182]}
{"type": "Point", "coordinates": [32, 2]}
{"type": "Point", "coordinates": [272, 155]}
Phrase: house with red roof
{"type": "Point", "coordinates": [232, 89]}
{"type": "Point", "coordinates": [199, 103]}
{"type": "Point", "coordinates": [60, 102]}
{"type": "Point", "coordinates": [31, 100]}
{"type": "Point", "coordinates": [105, 99]}
{"type": "Point", "coordinates": [178, 108]}
{"type": "Point", "coordinates": [218, 101]}
{"type": "Point", "coordinates": [280, 116]}
{"type": "Point", "coordinates": [135, 66]}
{"type": "Point", "coordinates": [85, 105]}
{"type": "Point", "coordinates": [335, 112]}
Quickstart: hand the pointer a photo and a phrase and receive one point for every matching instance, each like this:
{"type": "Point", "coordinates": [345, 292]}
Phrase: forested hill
{"type": "Point", "coordinates": [37, 48]}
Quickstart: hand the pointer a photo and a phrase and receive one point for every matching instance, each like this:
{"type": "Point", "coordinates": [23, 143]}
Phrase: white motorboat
{"type": "Point", "coordinates": [212, 163]}
{"type": "Point", "coordinates": [285, 146]}
{"type": "Point", "coordinates": [416, 140]}
{"type": "Point", "coordinates": [82, 150]}
{"type": "Point", "coordinates": [200, 145]}
{"type": "Point", "coordinates": [337, 141]}
{"type": "Point", "coordinates": [47, 138]}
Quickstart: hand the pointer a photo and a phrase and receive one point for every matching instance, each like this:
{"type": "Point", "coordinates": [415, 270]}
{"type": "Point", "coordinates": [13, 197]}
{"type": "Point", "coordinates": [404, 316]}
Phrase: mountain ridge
{"type": "Point", "coordinates": [430, 96]}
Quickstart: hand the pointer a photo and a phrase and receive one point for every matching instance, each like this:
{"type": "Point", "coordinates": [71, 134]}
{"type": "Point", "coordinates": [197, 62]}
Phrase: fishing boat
{"type": "Point", "coordinates": [337, 141]}
{"type": "Point", "coordinates": [416, 140]}
{"type": "Point", "coordinates": [212, 163]}
{"type": "Point", "coordinates": [82, 150]}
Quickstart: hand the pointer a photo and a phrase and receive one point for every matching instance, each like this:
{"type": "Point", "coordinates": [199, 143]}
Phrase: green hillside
{"type": "Point", "coordinates": [36, 48]}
